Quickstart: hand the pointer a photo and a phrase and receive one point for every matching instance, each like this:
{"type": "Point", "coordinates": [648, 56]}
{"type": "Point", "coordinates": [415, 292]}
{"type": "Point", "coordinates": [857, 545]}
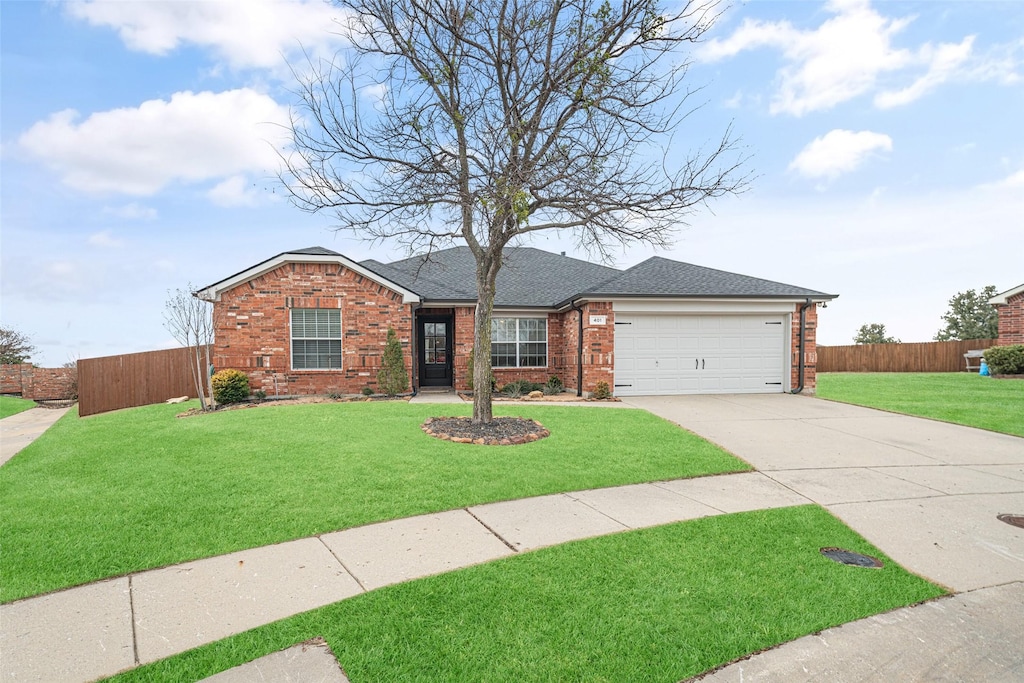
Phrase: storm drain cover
{"type": "Point", "coordinates": [851, 558]}
{"type": "Point", "coordinates": [1015, 520]}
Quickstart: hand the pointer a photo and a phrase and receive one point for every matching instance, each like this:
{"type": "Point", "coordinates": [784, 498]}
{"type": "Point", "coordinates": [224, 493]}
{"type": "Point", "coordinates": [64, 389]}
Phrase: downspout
{"type": "Point", "coordinates": [412, 348]}
{"type": "Point", "coordinates": [801, 345]}
{"type": "Point", "coordinates": [579, 351]}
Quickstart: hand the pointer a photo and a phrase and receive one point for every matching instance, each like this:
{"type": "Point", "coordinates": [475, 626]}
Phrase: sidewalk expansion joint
{"type": "Point", "coordinates": [131, 609]}
{"type": "Point", "coordinates": [343, 565]}
{"type": "Point", "coordinates": [492, 531]}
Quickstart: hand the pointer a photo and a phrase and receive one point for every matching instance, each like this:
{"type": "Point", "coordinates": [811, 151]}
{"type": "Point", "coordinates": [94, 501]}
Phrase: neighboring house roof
{"type": "Point", "coordinates": [534, 278]}
{"type": "Point", "coordinates": [1002, 297]}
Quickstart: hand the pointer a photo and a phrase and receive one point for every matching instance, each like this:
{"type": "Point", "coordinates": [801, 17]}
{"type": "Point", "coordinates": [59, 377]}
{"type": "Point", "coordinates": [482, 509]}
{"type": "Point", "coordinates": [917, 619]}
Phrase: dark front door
{"type": "Point", "coordinates": [435, 351]}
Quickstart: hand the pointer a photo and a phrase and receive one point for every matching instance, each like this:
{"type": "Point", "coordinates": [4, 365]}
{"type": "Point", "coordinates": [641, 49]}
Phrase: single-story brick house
{"type": "Point", "coordinates": [313, 321]}
{"type": "Point", "coordinates": [1010, 309]}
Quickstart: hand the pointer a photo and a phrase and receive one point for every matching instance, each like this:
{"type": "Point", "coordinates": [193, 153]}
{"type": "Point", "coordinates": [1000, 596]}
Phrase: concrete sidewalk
{"type": "Point", "coordinates": [18, 431]}
{"type": "Point", "coordinates": [925, 492]}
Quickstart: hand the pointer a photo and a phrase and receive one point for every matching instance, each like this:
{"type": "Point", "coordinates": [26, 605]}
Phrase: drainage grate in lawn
{"type": "Point", "coordinates": [1013, 520]}
{"type": "Point", "coordinates": [851, 558]}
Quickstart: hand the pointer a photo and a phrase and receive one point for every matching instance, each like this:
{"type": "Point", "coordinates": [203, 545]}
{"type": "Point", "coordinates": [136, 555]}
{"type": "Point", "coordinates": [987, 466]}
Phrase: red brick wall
{"type": "Point", "coordinates": [38, 384]}
{"type": "Point", "coordinates": [810, 348]}
{"type": "Point", "coordinates": [1011, 320]}
{"type": "Point", "coordinates": [252, 323]}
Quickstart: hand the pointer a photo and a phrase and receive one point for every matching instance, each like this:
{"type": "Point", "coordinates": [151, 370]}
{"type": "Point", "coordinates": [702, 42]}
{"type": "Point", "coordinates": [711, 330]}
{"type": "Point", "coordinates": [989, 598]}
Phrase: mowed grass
{"type": "Point", "coordinates": [12, 405]}
{"type": "Point", "coordinates": [659, 604]}
{"type": "Point", "coordinates": [960, 397]}
{"type": "Point", "coordinates": [137, 489]}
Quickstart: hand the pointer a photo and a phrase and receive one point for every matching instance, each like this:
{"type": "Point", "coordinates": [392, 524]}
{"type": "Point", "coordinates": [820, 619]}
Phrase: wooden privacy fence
{"type": "Point", "coordinates": [133, 379]}
{"type": "Point", "coordinates": [922, 357]}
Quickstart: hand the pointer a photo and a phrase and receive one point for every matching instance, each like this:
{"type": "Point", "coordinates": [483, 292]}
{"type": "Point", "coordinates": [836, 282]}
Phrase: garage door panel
{"type": "Point", "coordinates": [681, 354]}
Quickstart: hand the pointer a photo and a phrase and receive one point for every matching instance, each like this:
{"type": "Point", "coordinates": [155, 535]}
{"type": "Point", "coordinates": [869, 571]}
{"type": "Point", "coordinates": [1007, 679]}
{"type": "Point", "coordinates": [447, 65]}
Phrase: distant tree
{"type": "Point", "coordinates": [15, 347]}
{"type": "Point", "coordinates": [873, 333]}
{"type": "Point", "coordinates": [970, 316]}
{"type": "Point", "coordinates": [190, 320]}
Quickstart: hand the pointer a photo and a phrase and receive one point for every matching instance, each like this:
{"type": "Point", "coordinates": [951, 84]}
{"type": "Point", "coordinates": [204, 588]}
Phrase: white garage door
{"type": "Point", "coordinates": [699, 354]}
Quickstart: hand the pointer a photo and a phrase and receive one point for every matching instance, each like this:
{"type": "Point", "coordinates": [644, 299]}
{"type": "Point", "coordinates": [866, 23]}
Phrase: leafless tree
{"type": "Point", "coordinates": [190, 320]}
{"type": "Point", "coordinates": [483, 121]}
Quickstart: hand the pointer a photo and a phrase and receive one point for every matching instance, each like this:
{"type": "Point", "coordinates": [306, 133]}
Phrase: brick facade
{"type": "Point", "coordinates": [39, 384]}
{"type": "Point", "coordinates": [253, 328]}
{"type": "Point", "coordinates": [810, 348]}
{"type": "Point", "coordinates": [1011, 320]}
{"type": "Point", "coordinates": [252, 323]}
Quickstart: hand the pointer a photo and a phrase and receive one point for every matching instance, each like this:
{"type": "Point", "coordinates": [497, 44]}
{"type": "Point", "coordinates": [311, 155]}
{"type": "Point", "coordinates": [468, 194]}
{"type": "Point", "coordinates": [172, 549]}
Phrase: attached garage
{"type": "Point", "coordinates": [664, 354]}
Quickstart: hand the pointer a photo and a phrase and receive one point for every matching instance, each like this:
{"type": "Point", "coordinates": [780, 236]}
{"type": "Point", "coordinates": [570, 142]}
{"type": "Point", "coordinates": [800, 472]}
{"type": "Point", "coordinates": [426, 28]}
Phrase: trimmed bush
{"type": "Point", "coordinates": [553, 385]}
{"type": "Point", "coordinates": [1005, 360]}
{"type": "Point", "coordinates": [392, 379]}
{"type": "Point", "coordinates": [602, 391]}
{"type": "Point", "coordinates": [230, 386]}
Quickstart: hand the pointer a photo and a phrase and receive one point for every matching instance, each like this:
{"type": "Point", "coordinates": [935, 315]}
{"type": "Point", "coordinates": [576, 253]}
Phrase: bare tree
{"type": "Point", "coordinates": [190, 320]}
{"type": "Point", "coordinates": [483, 121]}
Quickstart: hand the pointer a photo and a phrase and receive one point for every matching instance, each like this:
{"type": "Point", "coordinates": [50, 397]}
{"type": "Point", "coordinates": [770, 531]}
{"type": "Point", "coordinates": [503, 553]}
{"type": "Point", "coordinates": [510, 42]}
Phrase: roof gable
{"type": "Point", "coordinates": [1004, 297]}
{"type": "Point", "coordinates": [307, 255]}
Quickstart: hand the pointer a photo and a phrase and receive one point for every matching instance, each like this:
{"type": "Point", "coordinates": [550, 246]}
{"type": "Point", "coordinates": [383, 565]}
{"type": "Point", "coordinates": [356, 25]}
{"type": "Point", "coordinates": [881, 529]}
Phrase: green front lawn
{"type": "Point", "coordinates": [136, 489]}
{"type": "Point", "coordinates": [960, 397]}
{"type": "Point", "coordinates": [659, 604]}
{"type": "Point", "coordinates": [12, 405]}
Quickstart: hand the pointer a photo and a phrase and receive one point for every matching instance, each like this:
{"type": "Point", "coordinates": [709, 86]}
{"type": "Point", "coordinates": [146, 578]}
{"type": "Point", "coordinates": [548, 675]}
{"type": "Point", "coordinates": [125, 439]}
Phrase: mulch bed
{"type": "Point", "coordinates": [502, 431]}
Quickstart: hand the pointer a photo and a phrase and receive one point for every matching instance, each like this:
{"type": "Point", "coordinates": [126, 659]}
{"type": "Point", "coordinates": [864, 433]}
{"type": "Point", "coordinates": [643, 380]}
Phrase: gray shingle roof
{"type": "Point", "coordinates": [532, 277]}
{"type": "Point", "coordinates": [663, 277]}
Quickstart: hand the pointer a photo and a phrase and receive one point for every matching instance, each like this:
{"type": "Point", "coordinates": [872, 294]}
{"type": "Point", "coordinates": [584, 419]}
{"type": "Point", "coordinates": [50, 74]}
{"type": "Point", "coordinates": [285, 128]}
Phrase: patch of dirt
{"type": "Point", "coordinates": [553, 398]}
{"type": "Point", "coordinates": [502, 431]}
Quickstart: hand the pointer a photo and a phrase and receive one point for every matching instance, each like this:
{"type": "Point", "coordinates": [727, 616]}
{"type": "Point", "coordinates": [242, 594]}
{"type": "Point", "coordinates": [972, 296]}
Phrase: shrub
{"type": "Point", "coordinates": [230, 386]}
{"type": "Point", "coordinates": [553, 385]}
{"type": "Point", "coordinates": [367, 391]}
{"type": "Point", "coordinates": [259, 395]}
{"type": "Point", "coordinates": [520, 387]}
{"type": "Point", "coordinates": [601, 390]}
{"type": "Point", "coordinates": [392, 377]}
{"type": "Point", "coordinates": [1005, 360]}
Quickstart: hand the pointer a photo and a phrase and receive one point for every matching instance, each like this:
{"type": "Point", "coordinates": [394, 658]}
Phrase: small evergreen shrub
{"type": "Point", "coordinates": [520, 387]}
{"type": "Point", "coordinates": [230, 386]}
{"type": "Point", "coordinates": [367, 391]}
{"type": "Point", "coordinates": [601, 390]}
{"type": "Point", "coordinates": [1005, 360]}
{"type": "Point", "coordinates": [553, 386]}
{"type": "Point", "coordinates": [392, 377]}
{"type": "Point", "coordinates": [259, 395]}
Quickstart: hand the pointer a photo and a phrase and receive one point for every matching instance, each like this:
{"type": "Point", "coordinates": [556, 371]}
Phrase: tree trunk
{"type": "Point", "coordinates": [486, 275]}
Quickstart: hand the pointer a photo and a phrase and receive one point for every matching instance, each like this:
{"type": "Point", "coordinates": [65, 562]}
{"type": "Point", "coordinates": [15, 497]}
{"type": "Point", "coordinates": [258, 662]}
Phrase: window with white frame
{"type": "Point", "coordinates": [316, 338]}
{"type": "Point", "coordinates": [519, 342]}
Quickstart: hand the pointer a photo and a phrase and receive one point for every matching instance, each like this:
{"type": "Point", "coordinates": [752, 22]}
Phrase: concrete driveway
{"type": "Point", "coordinates": [925, 492]}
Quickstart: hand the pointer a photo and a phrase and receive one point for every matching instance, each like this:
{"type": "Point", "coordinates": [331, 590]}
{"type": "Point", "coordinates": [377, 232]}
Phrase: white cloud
{"type": "Point", "coordinates": [1013, 181]}
{"type": "Point", "coordinates": [105, 239]}
{"type": "Point", "coordinates": [849, 54]}
{"type": "Point", "coordinates": [254, 33]}
{"type": "Point", "coordinates": [235, 191]}
{"type": "Point", "coordinates": [837, 152]}
{"type": "Point", "coordinates": [194, 137]}
{"type": "Point", "coordinates": [132, 212]}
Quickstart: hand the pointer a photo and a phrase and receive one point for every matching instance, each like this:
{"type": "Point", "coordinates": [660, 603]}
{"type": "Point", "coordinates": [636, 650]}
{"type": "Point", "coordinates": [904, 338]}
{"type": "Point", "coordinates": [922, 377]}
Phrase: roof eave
{"type": "Point", "coordinates": [1003, 297]}
{"type": "Point", "coordinates": [795, 298]}
{"type": "Point", "coordinates": [213, 292]}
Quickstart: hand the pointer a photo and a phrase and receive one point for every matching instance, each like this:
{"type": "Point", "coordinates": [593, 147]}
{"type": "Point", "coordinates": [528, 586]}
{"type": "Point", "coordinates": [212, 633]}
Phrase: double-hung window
{"type": "Point", "coordinates": [316, 338]}
{"type": "Point", "coordinates": [519, 342]}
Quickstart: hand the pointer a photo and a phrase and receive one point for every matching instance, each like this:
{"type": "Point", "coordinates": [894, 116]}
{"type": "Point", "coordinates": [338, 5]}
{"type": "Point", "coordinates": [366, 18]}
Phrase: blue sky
{"type": "Point", "coordinates": [138, 156]}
